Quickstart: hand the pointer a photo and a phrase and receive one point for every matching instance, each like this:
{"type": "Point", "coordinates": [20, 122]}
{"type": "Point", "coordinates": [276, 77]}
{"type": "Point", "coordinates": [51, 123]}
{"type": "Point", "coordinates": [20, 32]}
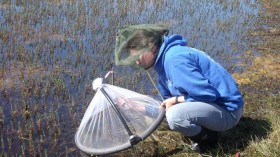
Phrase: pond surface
{"type": "Point", "coordinates": [52, 50]}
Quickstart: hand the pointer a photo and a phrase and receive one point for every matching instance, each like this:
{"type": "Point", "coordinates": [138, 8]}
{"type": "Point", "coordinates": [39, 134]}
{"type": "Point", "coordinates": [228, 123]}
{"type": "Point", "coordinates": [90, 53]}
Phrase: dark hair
{"type": "Point", "coordinates": [142, 38]}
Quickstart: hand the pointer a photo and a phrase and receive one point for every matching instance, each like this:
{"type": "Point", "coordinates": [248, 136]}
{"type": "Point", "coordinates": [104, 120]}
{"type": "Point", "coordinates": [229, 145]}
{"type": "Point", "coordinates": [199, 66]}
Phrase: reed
{"type": "Point", "coordinates": [1, 118]}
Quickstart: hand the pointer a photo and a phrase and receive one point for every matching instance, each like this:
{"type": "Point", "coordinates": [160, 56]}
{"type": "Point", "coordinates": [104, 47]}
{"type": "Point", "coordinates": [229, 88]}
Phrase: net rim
{"type": "Point", "coordinates": [126, 145]}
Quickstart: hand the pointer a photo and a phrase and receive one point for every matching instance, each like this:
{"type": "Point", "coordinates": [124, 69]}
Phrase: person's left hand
{"type": "Point", "coordinates": [168, 103]}
{"type": "Point", "coordinates": [127, 104]}
{"type": "Point", "coordinates": [123, 103]}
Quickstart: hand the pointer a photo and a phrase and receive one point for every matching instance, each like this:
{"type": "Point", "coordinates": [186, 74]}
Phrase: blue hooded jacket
{"type": "Point", "coordinates": [188, 72]}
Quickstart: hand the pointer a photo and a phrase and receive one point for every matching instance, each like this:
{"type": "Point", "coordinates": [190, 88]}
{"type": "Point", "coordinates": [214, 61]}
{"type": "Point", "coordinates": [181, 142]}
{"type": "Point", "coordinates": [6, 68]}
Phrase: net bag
{"type": "Point", "coordinates": [116, 119]}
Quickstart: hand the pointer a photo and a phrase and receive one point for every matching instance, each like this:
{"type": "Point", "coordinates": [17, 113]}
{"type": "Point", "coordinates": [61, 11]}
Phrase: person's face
{"type": "Point", "coordinates": [145, 60]}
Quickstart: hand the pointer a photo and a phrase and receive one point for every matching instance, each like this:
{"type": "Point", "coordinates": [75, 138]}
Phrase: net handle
{"type": "Point", "coordinates": [117, 111]}
{"type": "Point", "coordinates": [153, 82]}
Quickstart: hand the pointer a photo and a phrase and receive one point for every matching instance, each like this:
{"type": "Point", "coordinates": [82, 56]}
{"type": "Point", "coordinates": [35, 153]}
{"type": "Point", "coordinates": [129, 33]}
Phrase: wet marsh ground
{"type": "Point", "coordinates": [52, 50]}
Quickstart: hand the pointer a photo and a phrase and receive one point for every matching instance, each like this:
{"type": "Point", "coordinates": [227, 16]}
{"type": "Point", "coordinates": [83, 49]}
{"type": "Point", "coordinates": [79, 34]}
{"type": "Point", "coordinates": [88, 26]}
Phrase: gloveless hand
{"type": "Point", "coordinates": [167, 103]}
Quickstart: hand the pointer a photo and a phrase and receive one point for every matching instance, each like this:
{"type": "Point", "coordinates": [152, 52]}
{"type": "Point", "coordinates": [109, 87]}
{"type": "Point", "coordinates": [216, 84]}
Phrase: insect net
{"type": "Point", "coordinates": [116, 119]}
{"type": "Point", "coordinates": [139, 37]}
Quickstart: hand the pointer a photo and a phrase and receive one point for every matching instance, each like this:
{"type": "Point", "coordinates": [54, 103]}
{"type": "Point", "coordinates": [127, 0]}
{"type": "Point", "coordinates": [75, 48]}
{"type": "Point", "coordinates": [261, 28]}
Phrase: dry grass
{"type": "Point", "coordinates": [262, 80]}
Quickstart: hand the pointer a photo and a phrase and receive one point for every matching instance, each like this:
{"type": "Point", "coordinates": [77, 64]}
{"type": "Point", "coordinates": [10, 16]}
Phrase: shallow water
{"type": "Point", "coordinates": [52, 50]}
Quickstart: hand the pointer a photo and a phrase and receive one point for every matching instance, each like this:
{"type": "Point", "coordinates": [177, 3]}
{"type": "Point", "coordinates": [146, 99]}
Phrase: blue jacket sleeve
{"type": "Point", "coordinates": [162, 89]}
{"type": "Point", "coordinates": [187, 78]}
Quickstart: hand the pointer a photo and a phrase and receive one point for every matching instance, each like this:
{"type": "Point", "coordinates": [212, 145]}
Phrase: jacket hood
{"type": "Point", "coordinates": [169, 42]}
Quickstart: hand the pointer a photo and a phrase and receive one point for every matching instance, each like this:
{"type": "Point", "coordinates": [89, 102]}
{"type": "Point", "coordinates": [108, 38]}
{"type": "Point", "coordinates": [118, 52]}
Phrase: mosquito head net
{"type": "Point", "coordinates": [138, 37]}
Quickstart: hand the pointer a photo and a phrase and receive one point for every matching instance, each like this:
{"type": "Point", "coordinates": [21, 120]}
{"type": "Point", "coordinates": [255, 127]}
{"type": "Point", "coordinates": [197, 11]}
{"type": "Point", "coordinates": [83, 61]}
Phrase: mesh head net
{"type": "Point", "coordinates": [113, 117]}
{"type": "Point", "coordinates": [138, 37]}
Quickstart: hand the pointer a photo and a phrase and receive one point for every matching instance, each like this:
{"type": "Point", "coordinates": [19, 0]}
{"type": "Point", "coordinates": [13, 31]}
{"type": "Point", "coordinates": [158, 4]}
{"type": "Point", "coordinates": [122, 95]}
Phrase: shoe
{"type": "Point", "coordinates": [204, 140]}
{"type": "Point", "coordinates": [195, 147]}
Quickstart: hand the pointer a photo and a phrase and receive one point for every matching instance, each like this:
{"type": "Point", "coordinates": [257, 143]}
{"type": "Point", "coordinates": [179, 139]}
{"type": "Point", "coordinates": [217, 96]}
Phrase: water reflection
{"type": "Point", "coordinates": [68, 27]}
{"type": "Point", "coordinates": [52, 50]}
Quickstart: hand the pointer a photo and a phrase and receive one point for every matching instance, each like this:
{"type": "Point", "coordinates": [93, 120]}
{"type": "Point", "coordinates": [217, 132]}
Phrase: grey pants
{"type": "Point", "coordinates": [187, 118]}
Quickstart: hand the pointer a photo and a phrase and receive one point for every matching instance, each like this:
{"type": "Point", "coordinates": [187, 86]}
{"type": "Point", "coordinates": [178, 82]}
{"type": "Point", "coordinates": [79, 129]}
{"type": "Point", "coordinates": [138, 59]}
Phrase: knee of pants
{"type": "Point", "coordinates": [169, 119]}
{"type": "Point", "coordinates": [174, 122]}
{"type": "Point", "coordinates": [181, 124]}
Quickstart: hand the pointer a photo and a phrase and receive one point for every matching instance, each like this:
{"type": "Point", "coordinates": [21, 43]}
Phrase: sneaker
{"type": "Point", "coordinates": [195, 147]}
{"type": "Point", "coordinates": [204, 140]}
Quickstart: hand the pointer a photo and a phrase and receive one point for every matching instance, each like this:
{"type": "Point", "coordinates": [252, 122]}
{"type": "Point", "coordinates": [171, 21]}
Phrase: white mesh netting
{"type": "Point", "coordinates": [113, 116]}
